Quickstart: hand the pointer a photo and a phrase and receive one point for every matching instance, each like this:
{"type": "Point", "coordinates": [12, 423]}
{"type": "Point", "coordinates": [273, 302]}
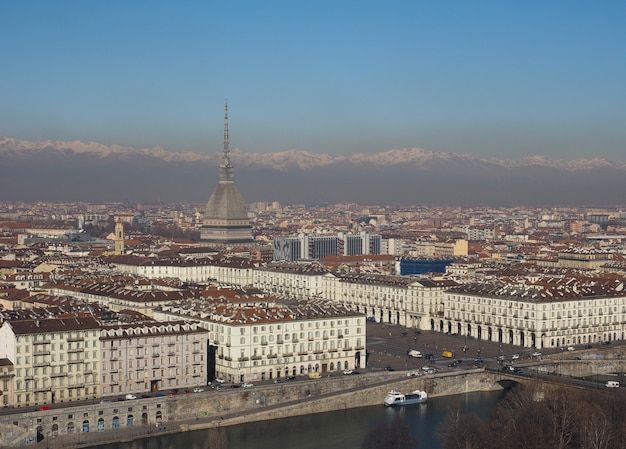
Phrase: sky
{"type": "Point", "coordinates": [501, 79]}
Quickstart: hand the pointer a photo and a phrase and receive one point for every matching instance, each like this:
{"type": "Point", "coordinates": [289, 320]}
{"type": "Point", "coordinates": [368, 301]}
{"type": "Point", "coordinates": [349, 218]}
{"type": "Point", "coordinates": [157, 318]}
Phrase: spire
{"type": "Point", "coordinates": [226, 167]}
{"type": "Point", "coordinates": [226, 151]}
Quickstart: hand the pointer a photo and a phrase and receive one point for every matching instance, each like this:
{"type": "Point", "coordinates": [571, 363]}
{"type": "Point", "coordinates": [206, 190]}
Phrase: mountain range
{"type": "Point", "coordinates": [90, 171]}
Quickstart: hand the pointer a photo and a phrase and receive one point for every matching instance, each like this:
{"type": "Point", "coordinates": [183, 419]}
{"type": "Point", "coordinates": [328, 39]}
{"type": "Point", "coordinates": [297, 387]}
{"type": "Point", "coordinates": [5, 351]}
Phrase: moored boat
{"type": "Point", "coordinates": [395, 398]}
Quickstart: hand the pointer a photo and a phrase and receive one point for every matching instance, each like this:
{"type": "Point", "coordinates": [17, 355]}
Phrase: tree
{"type": "Point", "coordinates": [393, 436]}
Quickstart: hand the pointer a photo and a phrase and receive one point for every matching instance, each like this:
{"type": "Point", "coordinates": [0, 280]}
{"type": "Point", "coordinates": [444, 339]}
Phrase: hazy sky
{"type": "Point", "coordinates": [501, 78]}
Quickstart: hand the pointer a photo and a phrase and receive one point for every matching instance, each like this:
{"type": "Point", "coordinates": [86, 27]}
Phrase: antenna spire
{"type": "Point", "coordinates": [226, 167]}
{"type": "Point", "coordinates": [226, 127]}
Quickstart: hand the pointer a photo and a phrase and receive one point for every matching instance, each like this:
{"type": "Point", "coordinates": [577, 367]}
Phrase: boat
{"type": "Point", "coordinates": [395, 398]}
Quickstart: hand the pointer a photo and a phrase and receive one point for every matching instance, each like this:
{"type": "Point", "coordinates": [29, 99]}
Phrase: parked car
{"type": "Point", "coordinates": [612, 384]}
{"type": "Point", "coordinates": [247, 385]}
{"type": "Point", "coordinates": [130, 396]}
{"type": "Point", "coordinates": [219, 380]}
{"type": "Point", "coordinates": [415, 353]}
{"type": "Point", "coordinates": [44, 408]}
{"type": "Point", "coordinates": [198, 390]}
{"type": "Point", "coordinates": [389, 368]}
{"type": "Point", "coordinates": [347, 371]}
{"type": "Point", "coordinates": [515, 356]}
{"type": "Point", "coordinates": [536, 354]}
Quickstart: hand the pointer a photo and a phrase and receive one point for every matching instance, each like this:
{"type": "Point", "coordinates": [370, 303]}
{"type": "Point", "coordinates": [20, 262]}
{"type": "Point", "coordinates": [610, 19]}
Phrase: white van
{"type": "Point", "coordinates": [612, 384]}
{"type": "Point", "coordinates": [415, 353]}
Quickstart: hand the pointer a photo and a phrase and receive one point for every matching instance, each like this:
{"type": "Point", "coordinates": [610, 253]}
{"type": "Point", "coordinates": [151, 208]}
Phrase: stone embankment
{"type": "Point", "coordinates": [170, 414]}
{"type": "Point", "coordinates": [95, 424]}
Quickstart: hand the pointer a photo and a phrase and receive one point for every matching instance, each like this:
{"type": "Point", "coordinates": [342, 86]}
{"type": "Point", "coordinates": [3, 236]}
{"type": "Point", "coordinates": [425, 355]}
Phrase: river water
{"type": "Point", "coordinates": [345, 429]}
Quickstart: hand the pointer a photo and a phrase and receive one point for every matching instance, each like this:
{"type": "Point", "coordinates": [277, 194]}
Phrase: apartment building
{"type": "Point", "coordinates": [54, 359]}
{"type": "Point", "coordinates": [546, 312]}
{"type": "Point", "coordinates": [148, 357]}
{"type": "Point", "coordinates": [228, 270]}
{"type": "Point", "coordinates": [257, 339]}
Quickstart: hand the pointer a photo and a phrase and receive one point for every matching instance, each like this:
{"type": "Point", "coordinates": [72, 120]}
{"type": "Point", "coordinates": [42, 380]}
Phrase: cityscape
{"type": "Point", "coordinates": [260, 225]}
{"type": "Point", "coordinates": [114, 301]}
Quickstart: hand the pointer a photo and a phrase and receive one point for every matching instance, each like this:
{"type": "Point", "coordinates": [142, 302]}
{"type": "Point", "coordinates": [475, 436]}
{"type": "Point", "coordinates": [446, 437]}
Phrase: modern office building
{"type": "Point", "coordinates": [312, 247]}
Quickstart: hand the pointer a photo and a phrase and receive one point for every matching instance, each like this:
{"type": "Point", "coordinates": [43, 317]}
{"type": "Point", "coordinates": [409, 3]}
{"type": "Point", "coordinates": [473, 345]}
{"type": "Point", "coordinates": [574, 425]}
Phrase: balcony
{"type": "Point", "coordinates": [243, 359]}
{"type": "Point", "coordinates": [255, 357]}
{"type": "Point", "coordinates": [43, 342]}
{"type": "Point", "coordinates": [42, 390]}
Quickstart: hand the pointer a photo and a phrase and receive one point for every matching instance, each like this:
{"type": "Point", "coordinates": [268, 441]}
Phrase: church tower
{"type": "Point", "coordinates": [119, 237]}
{"type": "Point", "coordinates": [226, 215]}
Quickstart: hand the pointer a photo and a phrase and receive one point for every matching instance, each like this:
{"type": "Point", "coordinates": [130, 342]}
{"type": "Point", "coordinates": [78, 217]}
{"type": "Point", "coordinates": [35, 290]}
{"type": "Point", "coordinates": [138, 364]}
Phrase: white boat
{"type": "Point", "coordinates": [395, 398]}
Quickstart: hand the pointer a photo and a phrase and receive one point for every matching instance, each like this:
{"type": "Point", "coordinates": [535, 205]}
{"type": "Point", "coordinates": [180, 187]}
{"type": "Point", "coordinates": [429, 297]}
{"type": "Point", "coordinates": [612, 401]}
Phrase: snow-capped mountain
{"type": "Point", "coordinates": [90, 171]}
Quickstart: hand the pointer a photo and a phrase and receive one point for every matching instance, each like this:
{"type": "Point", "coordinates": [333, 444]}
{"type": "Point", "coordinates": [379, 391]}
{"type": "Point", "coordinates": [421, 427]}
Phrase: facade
{"type": "Point", "coordinates": [313, 247]}
{"type": "Point", "coordinates": [148, 357]}
{"type": "Point", "coordinates": [54, 360]}
{"type": "Point", "coordinates": [256, 340]}
{"type": "Point", "coordinates": [232, 270]}
{"type": "Point", "coordinates": [226, 215]}
{"type": "Point", "coordinates": [422, 266]}
{"type": "Point", "coordinates": [552, 313]}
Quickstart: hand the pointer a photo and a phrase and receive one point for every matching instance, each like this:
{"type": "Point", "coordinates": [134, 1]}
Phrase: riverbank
{"type": "Point", "coordinates": [226, 408]}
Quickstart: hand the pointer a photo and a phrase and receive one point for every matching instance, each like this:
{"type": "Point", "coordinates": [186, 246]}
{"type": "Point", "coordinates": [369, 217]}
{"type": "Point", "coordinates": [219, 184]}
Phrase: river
{"type": "Point", "coordinates": [344, 429]}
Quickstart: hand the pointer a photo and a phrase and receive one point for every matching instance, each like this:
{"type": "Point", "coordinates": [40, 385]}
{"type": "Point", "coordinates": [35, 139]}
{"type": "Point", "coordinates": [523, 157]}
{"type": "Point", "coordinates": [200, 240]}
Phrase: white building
{"type": "Point", "coordinates": [54, 359]}
{"type": "Point", "coordinates": [546, 313]}
{"type": "Point", "coordinates": [254, 338]}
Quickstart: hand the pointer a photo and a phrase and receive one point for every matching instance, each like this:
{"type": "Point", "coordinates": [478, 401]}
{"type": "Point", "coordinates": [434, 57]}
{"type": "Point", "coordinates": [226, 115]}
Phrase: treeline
{"type": "Point", "coordinates": [530, 418]}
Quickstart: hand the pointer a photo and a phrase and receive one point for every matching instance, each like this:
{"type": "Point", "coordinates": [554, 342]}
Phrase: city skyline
{"type": "Point", "coordinates": [490, 79]}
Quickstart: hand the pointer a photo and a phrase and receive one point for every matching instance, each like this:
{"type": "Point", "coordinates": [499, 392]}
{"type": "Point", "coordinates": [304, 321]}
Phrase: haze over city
{"type": "Point", "coordinates": [489, 79]}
